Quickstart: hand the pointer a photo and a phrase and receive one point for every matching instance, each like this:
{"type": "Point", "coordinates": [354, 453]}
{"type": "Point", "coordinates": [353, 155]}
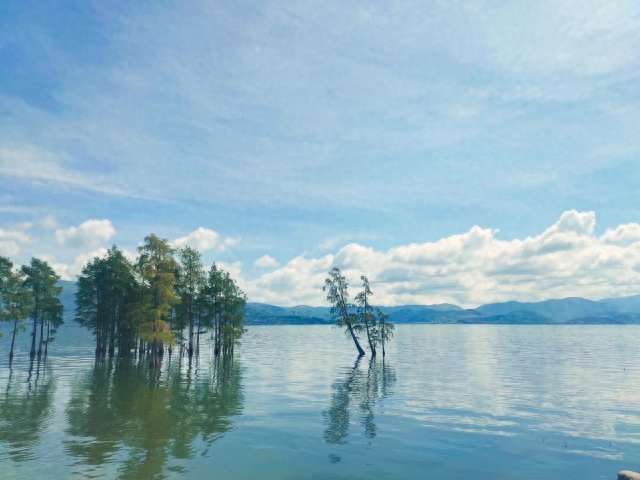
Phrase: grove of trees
{"type": "Point", "coordinates": [162, 300]}
{"type": "Point", "coordinates": [30, 292]}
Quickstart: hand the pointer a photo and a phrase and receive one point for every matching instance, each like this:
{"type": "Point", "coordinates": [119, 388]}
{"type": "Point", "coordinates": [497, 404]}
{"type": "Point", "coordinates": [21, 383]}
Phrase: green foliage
{"type": "Point", "coordinates": [46, 309]}
{"type": "Point", "coordinates": [106, 289]}
{"type": "Point", "coordinates": [365, 314]}
{"type": "Point", "coordinates": [15, 298]}
{"type": "Point", "coordinates": [359, 318]}
{"type": "Point", "coordinates": [157, 271]}
{"type": "Point", "coordinates": [336, 287]}
{"type": "Point", "coordinates": [190, 283]}
{"type": "Point", "coordinates": [154, 300]}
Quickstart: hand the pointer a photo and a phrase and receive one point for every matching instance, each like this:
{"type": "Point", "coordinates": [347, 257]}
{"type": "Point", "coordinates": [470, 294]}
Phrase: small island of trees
{"type": "Point", "coordinates": [165, 299]}
{"type": "Point", "coordinates": [31, 291]}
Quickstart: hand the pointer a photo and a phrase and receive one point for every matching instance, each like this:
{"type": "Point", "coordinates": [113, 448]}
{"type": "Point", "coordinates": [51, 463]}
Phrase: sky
{"type": "Point", "coordinates": [452, 151]}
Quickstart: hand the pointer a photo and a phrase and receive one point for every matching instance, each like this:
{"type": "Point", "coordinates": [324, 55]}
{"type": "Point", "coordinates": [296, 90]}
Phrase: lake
{"type": "Point", "coordinates": [448, 402]}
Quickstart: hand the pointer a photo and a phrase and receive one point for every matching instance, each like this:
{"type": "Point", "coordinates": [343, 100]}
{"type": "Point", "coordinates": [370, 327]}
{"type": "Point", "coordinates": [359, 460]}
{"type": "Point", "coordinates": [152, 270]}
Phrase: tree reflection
{"type": "Point", "coordinates": [358, 390]}
{"type": "Point", "coordinates": [25, 407]}
{"type": "Point", "coordinates": [118, 415]}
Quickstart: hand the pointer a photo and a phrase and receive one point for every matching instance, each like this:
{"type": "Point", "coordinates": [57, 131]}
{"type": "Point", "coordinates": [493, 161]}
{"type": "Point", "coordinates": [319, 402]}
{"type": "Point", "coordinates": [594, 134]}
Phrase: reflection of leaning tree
{"type": "Point", "coordinates": [358, 390]}
{"type": "Point", "coordinates": [25, 407]}
{"type": "Point", "coordinates": [119, 412]}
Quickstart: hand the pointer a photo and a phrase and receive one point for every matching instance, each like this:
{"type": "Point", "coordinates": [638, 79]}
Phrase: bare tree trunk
{"type": "Point", "coordinates": [13, 340]}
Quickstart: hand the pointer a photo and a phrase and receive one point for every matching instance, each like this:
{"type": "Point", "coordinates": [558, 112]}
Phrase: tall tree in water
{"type": "Point", "coordinates": [383, 329]}
{"type": "Point", "coordinates": [15, 300]}
{"type": "Point", "coordinates": [106, 287]}
{"type": "Point", "coordinates": [223, 302]}
{"type": "Point", "coordinates": [189, 285]}
{"type": "Point", "coordinates": [335, 285]}
{"type": "Point", "coordinates": [366, 315]}
{"type": "Point", "coordinates": [157, 269]}
{"type": "Point", "coordinates": [231, 322]}
{"type": "Point", "coordinates": [40, 280]}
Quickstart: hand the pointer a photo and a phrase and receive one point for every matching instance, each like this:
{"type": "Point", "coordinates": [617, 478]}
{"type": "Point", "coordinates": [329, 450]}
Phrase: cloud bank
{"type": "Point", "coordinates": [474, 267]}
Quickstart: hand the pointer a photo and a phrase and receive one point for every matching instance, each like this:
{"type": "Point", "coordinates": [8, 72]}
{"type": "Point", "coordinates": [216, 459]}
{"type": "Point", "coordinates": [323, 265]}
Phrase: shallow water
{"type": "Point", "coordinates": [448, 402]}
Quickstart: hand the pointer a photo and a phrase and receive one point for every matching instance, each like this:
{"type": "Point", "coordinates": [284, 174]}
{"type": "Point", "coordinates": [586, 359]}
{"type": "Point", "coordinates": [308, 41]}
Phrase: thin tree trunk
{"type": "Point", "coordinates": [13, 340]}
{"type": "Point", "coordinates": [366, 324]}
{"type": "Point", "coordinates": [33, 337]}
{"type": "Point", "coordinates": [355, 339]}
{"type": "Point", "coordinates": [46, 343]}
{"type": "Point", "coordinates": [345, 316]}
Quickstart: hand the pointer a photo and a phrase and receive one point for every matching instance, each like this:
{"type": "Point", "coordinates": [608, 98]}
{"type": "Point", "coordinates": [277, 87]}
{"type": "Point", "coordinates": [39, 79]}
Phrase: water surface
{"type": "Point", "coordinates": [448, 402]}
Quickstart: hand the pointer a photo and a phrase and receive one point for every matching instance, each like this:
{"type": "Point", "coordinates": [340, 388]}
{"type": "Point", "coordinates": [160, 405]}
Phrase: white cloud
{"type": "Point", "coordinates": [11, 241]}
{"type": "Point", "coordinates": [474, 267]}
{"type": "Point", "coordinates": [69, 271]}
{"type": "Point", "coordinates": [266, 261]}
{"type": "Point", "coordinates": [88, 234]}
{"type": "Point", "coordinates": [625, 234]}
{"type": "Point", "coordinates": [234, 269]}
{"type": "Point", "coordinates": [204, 239]}
{"type": "Point", "coordinates": [16, 235]}
{"type": "Point", "coordinates": [9, 248]}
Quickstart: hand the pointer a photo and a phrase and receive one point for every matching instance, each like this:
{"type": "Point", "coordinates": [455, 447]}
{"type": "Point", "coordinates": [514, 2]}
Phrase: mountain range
{"type": "Point", "coordinates": [573, 310]}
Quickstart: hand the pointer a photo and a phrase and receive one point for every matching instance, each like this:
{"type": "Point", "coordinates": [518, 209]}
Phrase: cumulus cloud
{"type": "Point", "coordinates": [69, 271]}
{"type": "Point", "coordinates": [91, 233]}
{"type": "Point", "coordinates": [204, 239]}
{"type": "Point", "coordinates": [265, 261]}
{"type": "Point", "coordinates": [9, 248]}
{"type": "Point", "coordinates": [12, 240]}
{"type": "Point", "coordinates": [474, 267]}
{"type": "Point", "coordinates": [625, 234]}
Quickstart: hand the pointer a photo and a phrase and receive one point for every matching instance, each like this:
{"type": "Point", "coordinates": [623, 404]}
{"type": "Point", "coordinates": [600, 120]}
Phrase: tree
{"type": "Point", "coordinates": [15, 299]}
{"type": "Point", "coordinates": [383, 329]}
{"type": "Point", "coordinates": [223, 304]}
{"type": "Point", "coordinates": [335, 285]}
{"type": "Point", "coordinates": [366, 316]}
{"type": "Point", "coordinates": [106, 287]}
{"type": "Point", "coordinates": [41, 281]}
{"type": "Point", "coordinates": [157, 269]}
{"type": "Point", "coordinates": [190, 283]}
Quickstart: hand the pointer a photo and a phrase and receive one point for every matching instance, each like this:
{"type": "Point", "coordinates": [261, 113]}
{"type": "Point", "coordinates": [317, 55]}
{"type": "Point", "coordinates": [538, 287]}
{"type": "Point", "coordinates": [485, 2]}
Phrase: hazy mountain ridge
{"type": "Point", "coordinates": [572, 310]}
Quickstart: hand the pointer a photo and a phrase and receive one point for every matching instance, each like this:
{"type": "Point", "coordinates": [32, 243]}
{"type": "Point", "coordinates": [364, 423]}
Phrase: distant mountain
{"type": "Point", "coordinates": [623, 304]}
{"type": "Point", "coordinates": [573, 310]}
{"type": "Point", "coordinates": [518, 317]}
{"type": "Point", "coordinates": [557, 311]}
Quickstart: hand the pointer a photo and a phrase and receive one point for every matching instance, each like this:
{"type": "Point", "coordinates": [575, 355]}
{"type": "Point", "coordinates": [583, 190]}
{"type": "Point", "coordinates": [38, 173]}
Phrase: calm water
{"type": "Point", "coordinates": [449, 402]}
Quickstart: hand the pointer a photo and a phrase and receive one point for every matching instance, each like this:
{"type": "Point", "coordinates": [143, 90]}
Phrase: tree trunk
{"type": "Point", "coordinates": [13, 340]}
{"type": "Point", "coordinates": [372, 347]}
{"type": "Point", "coordinates": [46, 343]}
{"type": "Point", "coordinates": [355, 339]}
{"type": "Point", "coordinates": [191, 335]}
{"type": "Point", "coordinates": [33, 338]}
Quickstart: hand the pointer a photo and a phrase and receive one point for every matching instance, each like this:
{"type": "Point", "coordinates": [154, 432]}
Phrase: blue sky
{"type": "Point", "coordinates": [439, 147]}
